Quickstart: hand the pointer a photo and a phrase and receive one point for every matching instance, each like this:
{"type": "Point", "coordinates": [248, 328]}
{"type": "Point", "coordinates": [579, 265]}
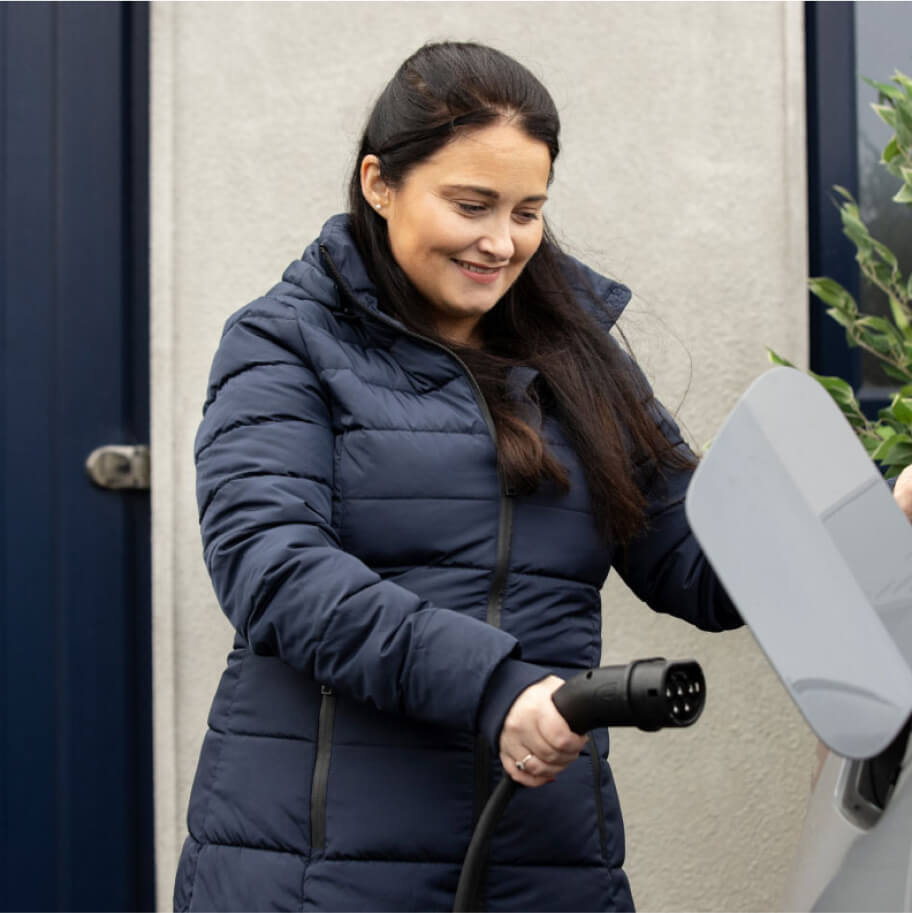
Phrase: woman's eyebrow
{"type": "Point", "coordinates": [489, 193]}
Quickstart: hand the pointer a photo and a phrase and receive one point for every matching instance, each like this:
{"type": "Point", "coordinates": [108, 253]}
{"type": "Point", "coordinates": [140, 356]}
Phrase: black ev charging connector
{"type": "Point", "coordinates": [649, 693]}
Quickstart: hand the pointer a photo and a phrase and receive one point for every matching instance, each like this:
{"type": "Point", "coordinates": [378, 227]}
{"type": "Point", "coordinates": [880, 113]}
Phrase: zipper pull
{"type": "Point", "coordinates": [325, 690]}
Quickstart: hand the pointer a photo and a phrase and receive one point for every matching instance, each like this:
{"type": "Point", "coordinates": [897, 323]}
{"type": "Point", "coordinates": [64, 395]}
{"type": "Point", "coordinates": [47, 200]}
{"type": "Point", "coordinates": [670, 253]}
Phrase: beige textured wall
{"type": "Point", "coordinates": [682, 174]}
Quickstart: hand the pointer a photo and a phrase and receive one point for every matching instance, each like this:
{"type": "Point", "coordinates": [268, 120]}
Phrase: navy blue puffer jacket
{"type": "Point", "coordinates": [390, 602]}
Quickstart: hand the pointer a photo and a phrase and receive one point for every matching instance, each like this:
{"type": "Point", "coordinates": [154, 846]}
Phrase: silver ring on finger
{"type": "Point", "coordinates": [522, 764]}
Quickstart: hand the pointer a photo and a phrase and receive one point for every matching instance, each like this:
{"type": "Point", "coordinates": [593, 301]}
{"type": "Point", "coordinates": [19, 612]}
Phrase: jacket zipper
{"type": "Point", "coordinates": [599, 808]}
{"type": "Point", "coordinates": [321, 768]}
{"type": "Point", "coordinates": [379, 315]}
{"type": "Point", "coordinates": [495, 601]}
{"type": "Point", "coordinates": [505, 522]}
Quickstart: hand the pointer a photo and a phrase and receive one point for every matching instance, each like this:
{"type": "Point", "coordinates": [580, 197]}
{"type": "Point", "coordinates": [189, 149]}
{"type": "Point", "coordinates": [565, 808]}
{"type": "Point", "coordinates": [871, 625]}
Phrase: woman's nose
{"type": "Point", "coordinates": [497, 241]}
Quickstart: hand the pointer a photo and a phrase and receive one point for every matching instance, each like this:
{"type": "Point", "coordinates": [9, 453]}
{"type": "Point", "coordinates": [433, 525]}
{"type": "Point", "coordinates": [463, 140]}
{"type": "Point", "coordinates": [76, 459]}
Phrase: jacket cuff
{"type": "Point", "coordinates": [510, 678]}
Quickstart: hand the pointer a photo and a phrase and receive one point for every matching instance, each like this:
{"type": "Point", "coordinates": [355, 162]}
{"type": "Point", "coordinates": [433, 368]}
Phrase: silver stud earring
{"type": "Point", "coordinates": [376, 205]}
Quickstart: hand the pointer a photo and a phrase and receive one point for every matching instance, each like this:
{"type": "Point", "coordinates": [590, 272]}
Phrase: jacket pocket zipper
{"type": "Point", "coordinates": [321, 768]}
{"type": "Point", "coordinates": [597, 783]}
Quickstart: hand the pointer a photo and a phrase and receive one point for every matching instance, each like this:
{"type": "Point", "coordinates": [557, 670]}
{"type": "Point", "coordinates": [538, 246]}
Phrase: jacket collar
{"type": "Point", "coordinates": [336, 240]}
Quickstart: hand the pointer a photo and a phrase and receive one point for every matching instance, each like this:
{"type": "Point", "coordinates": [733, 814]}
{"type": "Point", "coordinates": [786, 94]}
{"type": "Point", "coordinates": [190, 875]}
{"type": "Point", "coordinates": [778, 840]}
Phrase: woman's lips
{"type": "Point", "coordinates": [484, 275]}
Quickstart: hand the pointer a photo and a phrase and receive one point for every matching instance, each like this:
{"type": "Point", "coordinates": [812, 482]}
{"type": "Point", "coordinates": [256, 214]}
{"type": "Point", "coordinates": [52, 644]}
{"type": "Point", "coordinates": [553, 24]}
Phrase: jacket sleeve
{"type": "Point", "coordinates": [264, 456]}
{"type": "Point", "coordinates": [665, 566]}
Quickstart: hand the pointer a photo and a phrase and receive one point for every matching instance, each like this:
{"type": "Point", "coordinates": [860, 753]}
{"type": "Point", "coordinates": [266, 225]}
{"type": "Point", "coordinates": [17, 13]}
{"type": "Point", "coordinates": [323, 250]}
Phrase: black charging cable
{"type": "Point", "coordinates": [650, 694]}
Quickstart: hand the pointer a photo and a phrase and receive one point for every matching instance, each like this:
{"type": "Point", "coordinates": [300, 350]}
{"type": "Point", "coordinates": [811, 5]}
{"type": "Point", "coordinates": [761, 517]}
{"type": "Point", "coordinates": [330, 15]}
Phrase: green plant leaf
{"type": "Point", "coordinates": [884, 88]}
{"type": "Point", "coordinates": [901, 409]}
{"type": "Point", "coordinates": [850, 213]}
{"type": "Point", "coordinates": [886, 113]}
{"type": "Point", "coordinates": [842, 392]}
{"type": "Point", "coordinates": [887, 255]}
{"type": "Point", "coordinates": [900, 454]}
{"type": "Point", "coordinates": [847, 320]}
{"type": "Point", "coordinates": [832, 293]}
{"type": "Point", "coordinates": [903, 123]}
{"type": "Point", "coordinates": [843, 192]}
{"type": "Point", "coordinates": [833, 384]}
{"type": "Point", "coordinates": [851, 414]}
{"type": "Point", "coordinates": [854, 229]}
{"type": "Point", "coordinates": [882, 274]}
{"type": "Point", "coordinates": [903, 80]}
{"type": "Point", "coordinates": [883, 452]}
{"type": "Point", "coordinates": [881, 324]}
{"type": "Point", "coordinates": [891, 151]}
{"type": "Point", "coordinates": [879, 343]}
{"type": "Point", "coordinates": [844, 397]}
{"type": "Point", "coordinates": [879, 335]}
{"type": "Point", "coordinates": [894, 167]}
{"type": "Point", "coordinates": [778, 359]}
{"type": "Point", "coordinates": [906, 174]}
{"type": "Point", "coordinates": [886, 419]}
{"type": "Point", "coordinates": [900, 315]}
{"type": "Point", "coordinates": [904, 195]}
{"type": "Point", "coordinates": [897, 374]}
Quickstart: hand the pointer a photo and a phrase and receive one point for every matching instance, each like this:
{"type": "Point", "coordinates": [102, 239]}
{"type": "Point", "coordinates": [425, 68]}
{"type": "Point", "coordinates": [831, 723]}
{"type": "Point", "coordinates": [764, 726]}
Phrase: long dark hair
{"type": "Point", "coordinates": [586, 380]}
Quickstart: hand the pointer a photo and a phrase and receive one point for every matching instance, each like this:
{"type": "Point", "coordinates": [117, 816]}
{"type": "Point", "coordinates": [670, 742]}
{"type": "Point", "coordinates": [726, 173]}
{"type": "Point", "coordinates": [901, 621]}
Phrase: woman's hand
{"type": "Point", "coordinates": [537, 737]}
{"type": "Point", "coordinates": [903, 491]}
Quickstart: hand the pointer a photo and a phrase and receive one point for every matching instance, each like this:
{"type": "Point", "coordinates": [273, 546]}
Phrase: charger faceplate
{"type": "Point", "coordinates": [806, 538]}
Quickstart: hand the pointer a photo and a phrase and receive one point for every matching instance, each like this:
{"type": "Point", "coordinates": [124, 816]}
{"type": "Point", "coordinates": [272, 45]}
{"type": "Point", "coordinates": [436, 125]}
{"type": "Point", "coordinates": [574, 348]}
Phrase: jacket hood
{"type": "Point", "coordinates": [611, 297]}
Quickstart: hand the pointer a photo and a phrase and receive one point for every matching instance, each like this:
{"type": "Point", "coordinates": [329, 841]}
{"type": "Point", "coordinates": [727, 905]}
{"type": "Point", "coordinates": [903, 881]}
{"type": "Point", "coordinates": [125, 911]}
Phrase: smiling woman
{"type": "Point", "coordinates": [421, 454]}
{"type": "Point", "coordinates": [465, 222]}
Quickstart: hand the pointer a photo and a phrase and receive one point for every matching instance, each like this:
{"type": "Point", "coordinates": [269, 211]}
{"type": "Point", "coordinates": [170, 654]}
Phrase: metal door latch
{"type": "Point", "coordinates": [120, 466]}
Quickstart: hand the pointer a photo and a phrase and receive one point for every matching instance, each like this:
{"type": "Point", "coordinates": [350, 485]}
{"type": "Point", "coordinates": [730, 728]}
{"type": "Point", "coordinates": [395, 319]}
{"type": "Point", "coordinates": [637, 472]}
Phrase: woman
{"type": "Point", "coordinates": [421, 453]}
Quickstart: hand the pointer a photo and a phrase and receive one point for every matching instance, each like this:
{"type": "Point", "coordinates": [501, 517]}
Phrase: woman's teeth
{"type": "Point", "coordinates": [484, 270]}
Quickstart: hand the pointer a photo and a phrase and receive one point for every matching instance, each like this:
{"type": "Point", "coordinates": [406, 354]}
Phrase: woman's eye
{"type": "Point", "coordinates": [471, 209]}
{"type": "Point", "coordinates": [527, 215]}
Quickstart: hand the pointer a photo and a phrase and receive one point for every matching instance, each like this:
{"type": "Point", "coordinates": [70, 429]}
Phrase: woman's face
{"type": "Point", "coordinates": [464, 223]}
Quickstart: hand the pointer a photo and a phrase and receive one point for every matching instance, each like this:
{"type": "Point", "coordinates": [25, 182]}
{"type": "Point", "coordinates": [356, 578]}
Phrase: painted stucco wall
{"type": "Point", "coordinates": [682, 174]}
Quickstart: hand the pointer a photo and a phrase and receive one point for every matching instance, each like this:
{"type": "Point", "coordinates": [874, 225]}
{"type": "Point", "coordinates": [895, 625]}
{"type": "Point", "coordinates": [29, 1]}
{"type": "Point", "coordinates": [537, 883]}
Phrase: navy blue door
{"type": "Point", "coordinates": [832, 159]}
{"type": "Point", "coordinates": [75, 702]}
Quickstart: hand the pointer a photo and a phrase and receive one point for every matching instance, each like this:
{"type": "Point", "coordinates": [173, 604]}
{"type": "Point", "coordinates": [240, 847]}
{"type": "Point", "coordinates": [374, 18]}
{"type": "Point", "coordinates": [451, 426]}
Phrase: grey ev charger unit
{"type": "Point", "coordinates": [809, 543]}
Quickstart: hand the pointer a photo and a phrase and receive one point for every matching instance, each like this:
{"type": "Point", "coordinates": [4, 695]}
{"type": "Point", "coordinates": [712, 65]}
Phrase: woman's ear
{"type": "Point", "coordinates": [374, 188]}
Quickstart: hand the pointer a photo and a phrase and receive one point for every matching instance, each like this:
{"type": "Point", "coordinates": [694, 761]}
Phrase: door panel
{"type": "Point", "coordinates": [75, 705]}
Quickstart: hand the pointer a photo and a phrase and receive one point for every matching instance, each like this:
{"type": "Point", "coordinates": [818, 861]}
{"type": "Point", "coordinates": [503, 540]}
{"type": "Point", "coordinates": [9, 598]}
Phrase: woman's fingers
{"type": "Point", "coordinates": [544, 753]}
{"type": "Point", "coordinates": [533, 773]}
{"type": "Point", "coordinates": [529, 763]}
{"type": "Point", "coordinates": [558, 743]}
{"type": "Point", "coordinates": [536, 744]}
